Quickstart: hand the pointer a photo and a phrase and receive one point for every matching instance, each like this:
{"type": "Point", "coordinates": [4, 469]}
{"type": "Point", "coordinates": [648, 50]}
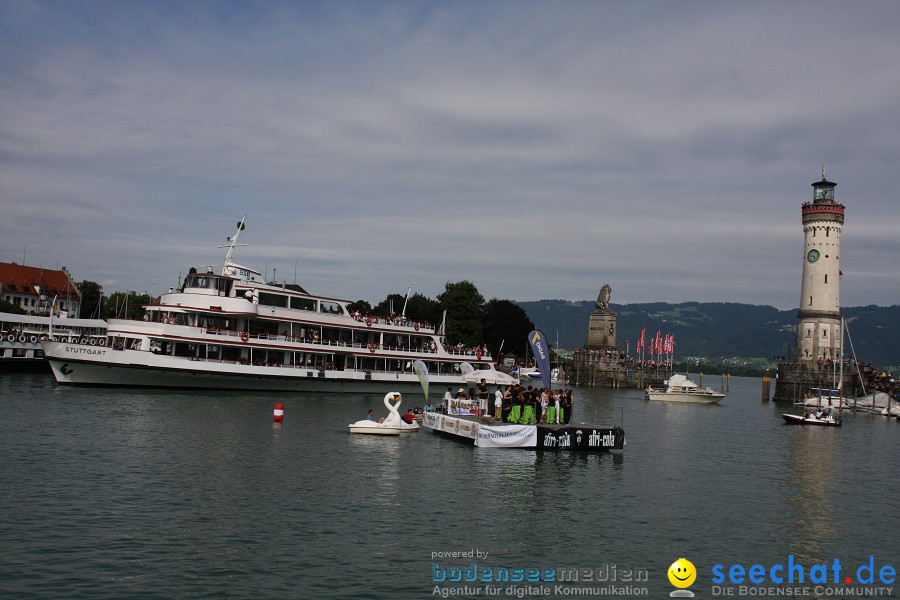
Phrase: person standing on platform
{"type": "Point", "coordinates": [569, 404]}
{"type": "Point", "coordinates": [483, 396]}
{"type": "Point", "coordinates": [516, 412]}
{"type": "Point", "coordinates": [545, 401]}
{"type": "Point", "coordinates": [498, 403]}
{"type": "Point", "coordinates": [507, 403]}
{"type": "Point", "coordinates": [551, 407]}
{"type": "Point", "coordinates": [448, 401]}
{"type": "Point", "coordinates": [528, 410]}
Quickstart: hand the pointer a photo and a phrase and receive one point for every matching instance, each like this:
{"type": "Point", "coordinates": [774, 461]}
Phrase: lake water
{"type": "Point", "coordinates": [116, 493]}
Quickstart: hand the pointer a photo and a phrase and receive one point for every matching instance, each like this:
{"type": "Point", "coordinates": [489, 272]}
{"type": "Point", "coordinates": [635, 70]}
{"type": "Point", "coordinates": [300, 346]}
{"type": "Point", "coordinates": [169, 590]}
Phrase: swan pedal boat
{"type": "Point", "coordinates": [392, 425]}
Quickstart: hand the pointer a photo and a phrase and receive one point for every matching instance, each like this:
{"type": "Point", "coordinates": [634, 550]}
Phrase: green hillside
{"type": "Point", "coordinates": [717, 330]}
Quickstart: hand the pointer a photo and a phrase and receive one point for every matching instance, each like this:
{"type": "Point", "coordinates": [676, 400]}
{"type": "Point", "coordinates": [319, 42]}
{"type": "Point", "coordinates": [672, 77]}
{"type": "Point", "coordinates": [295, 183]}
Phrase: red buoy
{"type": "Point", "coordinates": [279, 412]}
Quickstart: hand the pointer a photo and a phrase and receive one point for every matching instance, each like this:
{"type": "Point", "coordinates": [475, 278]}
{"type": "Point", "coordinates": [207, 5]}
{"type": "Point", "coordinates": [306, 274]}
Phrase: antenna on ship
{"type": "Point", "coordinates": [232, 243]}
{"type": "Point", "coordinates": [403, 315]}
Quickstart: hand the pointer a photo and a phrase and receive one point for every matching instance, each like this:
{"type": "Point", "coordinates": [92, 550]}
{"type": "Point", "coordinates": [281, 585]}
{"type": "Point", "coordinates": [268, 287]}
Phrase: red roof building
{"type": "Point", "coordinates": [34, 288]}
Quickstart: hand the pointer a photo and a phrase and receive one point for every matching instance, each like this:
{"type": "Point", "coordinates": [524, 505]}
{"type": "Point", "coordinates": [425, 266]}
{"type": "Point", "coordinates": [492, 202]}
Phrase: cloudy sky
{"type": "Point", "coordinates": [536, 149]}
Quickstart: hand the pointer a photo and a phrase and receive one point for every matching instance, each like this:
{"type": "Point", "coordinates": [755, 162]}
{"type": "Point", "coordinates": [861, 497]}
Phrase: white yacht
{"type": "Point", "coordinates": [234, 331]}
{"type": "Point", "coordinates": [681, 389]}
{"type": "Point", "coordinates": [21, 336]}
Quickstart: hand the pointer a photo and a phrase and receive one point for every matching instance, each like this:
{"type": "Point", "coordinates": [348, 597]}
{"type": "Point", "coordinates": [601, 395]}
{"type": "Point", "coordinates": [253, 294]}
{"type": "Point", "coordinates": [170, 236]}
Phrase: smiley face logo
{"type": "Point", "coordinates": [682, 573]}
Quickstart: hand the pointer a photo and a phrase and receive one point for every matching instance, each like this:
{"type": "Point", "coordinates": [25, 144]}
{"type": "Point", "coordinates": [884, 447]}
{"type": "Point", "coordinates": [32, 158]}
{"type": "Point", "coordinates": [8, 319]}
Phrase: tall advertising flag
{"type": "Point", "coordinates": [422, 371]}
{"type": "Point", "coordinates": [541, 355]}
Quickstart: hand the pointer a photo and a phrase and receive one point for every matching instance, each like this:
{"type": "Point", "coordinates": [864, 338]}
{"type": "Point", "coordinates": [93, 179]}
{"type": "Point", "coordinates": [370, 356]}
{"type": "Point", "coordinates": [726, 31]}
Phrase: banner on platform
{"type": "Point", "coordinates": [457, 426]}
{"type": "Point", "coordinates": [506, 436]}
{"type": "Point", "coordinates": [541, 355]}
{"type": "Point", "coordinates": [580, 438]}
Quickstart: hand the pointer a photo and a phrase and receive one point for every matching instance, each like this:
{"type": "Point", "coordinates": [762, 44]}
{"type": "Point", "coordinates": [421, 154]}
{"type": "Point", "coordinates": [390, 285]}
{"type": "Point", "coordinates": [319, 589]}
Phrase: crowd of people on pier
{"type": "Point", "coordinates": [513, 403]}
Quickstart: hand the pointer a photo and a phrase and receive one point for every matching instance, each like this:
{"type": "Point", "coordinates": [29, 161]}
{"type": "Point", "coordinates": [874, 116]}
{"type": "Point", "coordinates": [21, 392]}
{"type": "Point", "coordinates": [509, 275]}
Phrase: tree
{"type": "Point", "coordinates": [463, 304]}
{"type": "Point", "coordinates": [423, 309]}
{"type": "Point", "coordinates": [390, 306]}
{"type": "Point", "coordinates": [126, 305]}
{"type": "Point", "coordinates": [90, 292]}
{"type": "Point", "coordinates": [507, 323]}
{"type": "Point", "coordinates": [360, 306]}
{"type": "Point", "coordinates": [9, 307]}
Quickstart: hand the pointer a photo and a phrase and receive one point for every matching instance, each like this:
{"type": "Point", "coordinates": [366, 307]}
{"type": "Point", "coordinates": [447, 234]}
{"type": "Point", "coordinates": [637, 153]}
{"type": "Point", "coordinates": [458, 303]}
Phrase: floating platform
{"type": "Point", "coordinates": [487, 432]}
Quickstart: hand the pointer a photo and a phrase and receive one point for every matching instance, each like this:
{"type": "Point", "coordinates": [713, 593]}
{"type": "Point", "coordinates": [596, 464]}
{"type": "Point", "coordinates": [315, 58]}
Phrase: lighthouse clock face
{"type": "Point", "coordinates": [813, 256]}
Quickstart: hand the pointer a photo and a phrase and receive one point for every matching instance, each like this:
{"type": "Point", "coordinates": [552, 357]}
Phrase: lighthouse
{"type": "Point", "coordinates": [818, 342]}
{"type": "Point", "coordinates": [819, 318]}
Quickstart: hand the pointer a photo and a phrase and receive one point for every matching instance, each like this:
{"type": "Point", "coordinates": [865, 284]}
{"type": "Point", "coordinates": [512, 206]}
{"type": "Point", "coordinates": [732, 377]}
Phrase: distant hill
{"type": "Point", "coordinates": [718, 330]}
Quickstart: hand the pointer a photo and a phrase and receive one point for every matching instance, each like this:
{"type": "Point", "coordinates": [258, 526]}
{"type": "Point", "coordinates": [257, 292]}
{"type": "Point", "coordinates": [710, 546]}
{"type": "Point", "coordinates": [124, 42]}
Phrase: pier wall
{"type": "Point", "coordinates": [795, 378]}
{"type": "Point", "coordinates": [612, 369]}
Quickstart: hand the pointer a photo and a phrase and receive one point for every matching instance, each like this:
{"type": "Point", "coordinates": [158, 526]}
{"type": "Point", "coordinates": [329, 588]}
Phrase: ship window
{"type": "Point", "coordinates": [331, 307]}
{"type": "Point", "coordinates": [303, 304]}
{"type": "Point", "coordinates": [272, 299]}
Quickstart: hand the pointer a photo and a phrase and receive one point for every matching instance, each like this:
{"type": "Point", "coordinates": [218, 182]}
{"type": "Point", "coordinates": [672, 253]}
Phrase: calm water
{"type": "Point", "coordinates": [112, 493]}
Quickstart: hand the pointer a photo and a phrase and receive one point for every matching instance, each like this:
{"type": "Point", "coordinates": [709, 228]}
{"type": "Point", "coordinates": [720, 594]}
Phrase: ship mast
{"type": "Point", "coordinates": [232, 243]}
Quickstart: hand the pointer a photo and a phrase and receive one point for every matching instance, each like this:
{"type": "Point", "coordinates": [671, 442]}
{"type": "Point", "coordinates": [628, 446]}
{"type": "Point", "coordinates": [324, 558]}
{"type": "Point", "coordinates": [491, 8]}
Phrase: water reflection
{"type": "Point", "coordinates": [811, 480]}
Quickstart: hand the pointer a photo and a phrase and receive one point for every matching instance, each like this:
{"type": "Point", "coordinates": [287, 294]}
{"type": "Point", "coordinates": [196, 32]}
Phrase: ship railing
{"type": "Point", "coordinates": [397, 321]}
{"type": "Point", "coordinates": [477, 353]}
{"type": "Point", "coordinates": [316, 341]}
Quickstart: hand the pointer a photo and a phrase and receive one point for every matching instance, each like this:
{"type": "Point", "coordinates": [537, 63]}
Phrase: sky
{"type": "Point", "coordinates": [535, 149]}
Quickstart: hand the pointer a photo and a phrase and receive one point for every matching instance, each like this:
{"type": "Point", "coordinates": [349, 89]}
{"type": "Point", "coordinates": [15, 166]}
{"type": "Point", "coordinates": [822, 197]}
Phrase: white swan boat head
{"type": "Point", "coordinates": [392, 425]}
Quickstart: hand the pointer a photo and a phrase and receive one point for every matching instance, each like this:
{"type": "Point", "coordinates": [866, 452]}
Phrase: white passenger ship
{"type": "Point", "coordinates": [21, 337]}
{"type": "Point", "coordinates": [233, 331]}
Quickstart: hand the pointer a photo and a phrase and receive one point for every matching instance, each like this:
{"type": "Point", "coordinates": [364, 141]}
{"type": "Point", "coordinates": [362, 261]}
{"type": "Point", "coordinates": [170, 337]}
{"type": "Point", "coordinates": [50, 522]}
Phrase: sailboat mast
{"type": "Point", "coordinates": [841, 359]}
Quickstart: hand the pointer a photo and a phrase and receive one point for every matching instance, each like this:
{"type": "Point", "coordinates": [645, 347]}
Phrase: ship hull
{"type": "Point", "coordinates": [74, 364]}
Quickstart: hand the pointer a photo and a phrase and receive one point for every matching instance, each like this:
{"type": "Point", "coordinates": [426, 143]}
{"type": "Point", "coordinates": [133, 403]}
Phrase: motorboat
{"type": "Point", "coordinates": [233, 330]}
{"type": "Point", "coordinates": [392, 425]}
{"type": "Point", "coordinates": [825, 419]}
{"type": "Point", "coordinates": [681, 389]}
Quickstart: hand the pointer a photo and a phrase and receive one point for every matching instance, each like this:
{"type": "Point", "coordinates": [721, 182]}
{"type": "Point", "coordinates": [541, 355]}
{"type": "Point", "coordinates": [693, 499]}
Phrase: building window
{"type": "Point", "coordinates": [827, 230]}
{"type": "Point", "coordinates": [810, 300]}
{"type": "Point", "coordinates": [826, 278]}
{"type": "Point", "coordinates": [824, 333]}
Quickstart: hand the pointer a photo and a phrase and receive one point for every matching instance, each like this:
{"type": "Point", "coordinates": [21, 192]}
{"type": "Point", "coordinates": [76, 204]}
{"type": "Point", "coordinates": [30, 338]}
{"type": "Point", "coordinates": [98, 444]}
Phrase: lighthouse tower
{"type": "Point", "coordinates": [819, 326]}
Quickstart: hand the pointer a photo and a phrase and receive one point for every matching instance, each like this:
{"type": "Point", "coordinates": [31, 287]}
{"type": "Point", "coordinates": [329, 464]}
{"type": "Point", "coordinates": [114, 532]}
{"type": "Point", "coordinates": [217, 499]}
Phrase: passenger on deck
{"type": "Point", "coordinates": [460, 398]}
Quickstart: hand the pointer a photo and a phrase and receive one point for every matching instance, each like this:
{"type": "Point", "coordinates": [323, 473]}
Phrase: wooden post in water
{"type": "Point", "coordinates": [765, 388]}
